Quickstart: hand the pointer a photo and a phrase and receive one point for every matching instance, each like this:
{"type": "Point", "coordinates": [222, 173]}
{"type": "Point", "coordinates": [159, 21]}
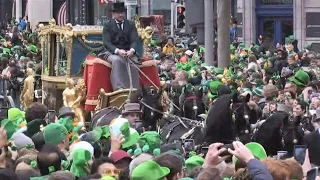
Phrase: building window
{"type": "Point", "coordinates": [275, 2]}
{"type": "Point", "coordinates": [101, 13]}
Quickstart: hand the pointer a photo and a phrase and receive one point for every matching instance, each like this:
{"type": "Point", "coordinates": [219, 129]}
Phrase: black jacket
{"type": "Point", "coordinates": [312, 141]}
{"type": "Point", "coordinates": [114, 38]}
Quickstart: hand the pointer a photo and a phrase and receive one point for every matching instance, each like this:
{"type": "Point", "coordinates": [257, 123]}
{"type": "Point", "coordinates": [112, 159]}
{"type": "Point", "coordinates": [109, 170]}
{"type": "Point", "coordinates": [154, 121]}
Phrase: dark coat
{"type": "Point", "coordinates": [114, 38]}
{"type": "Point", "coordinates": [312, 141]}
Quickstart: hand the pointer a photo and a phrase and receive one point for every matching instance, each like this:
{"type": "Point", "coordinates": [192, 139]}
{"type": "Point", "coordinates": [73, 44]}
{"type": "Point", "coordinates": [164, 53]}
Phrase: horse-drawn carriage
{"type": "Point", "coordinates": [68, 52]}
{"type": "Point", "coordinates": [71, 52]}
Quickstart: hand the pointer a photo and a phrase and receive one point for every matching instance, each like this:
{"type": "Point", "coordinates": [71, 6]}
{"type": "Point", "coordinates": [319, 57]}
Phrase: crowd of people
{"type": "Point", "coordinates": [35, 145]}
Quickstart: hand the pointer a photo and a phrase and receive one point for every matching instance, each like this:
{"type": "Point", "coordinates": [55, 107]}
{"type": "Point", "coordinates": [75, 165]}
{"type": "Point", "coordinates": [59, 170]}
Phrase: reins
{"type": "Point", "coordinates": [167, 99]}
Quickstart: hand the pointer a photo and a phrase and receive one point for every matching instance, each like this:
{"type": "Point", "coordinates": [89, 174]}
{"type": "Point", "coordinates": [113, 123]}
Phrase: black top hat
{"type": "Point", "coordinates": [66, 111]}
{"type": "Point", "coordinates": [118, 7]}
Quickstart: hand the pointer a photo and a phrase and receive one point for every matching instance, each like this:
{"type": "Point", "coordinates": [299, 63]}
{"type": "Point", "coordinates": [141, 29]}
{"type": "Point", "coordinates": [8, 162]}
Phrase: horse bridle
{"type": "Point", "coordinates": [246, 117]}
{"type": "Point", "coordinates": [194, 99]}
{"type": "Point", "coordinates": [291, 129]}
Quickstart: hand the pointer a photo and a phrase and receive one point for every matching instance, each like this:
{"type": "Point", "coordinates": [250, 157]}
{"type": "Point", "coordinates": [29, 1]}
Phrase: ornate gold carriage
{"type": "Point", "coordinates": [70, 51]}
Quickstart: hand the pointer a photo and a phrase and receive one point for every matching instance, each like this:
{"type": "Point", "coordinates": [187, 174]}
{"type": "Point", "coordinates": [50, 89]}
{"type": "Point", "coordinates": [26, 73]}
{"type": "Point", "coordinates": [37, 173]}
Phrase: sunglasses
{"type": "Point", "coordinates": [111, 172]}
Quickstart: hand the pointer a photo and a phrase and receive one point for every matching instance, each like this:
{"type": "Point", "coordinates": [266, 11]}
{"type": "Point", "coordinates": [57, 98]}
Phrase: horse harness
{"type": "Point", "coordinates": [193, 123]}
{"type": "Point", "coordinates": [246, 117]}
{"type": "Point", "coordinates": [291, 129]}
{"type": "Point", "coordinates": [194, 107]}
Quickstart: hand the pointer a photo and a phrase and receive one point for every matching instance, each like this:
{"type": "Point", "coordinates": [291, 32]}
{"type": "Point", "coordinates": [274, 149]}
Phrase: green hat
{"type": "Point", "coordinates": [33, 49]}
{"type": "Point", "coordinates": [218, 70]}
{"type": "Point", "coordinates": [6, 51]}
{"type": "Point", "coordinates": [15, 115]}
{"type": "Point", "coordinates": [186, 178]}
{"type": "Point", "coordinates": [193, 162]}
{"type": "Point", "coordinates": [67, 122]}
{"type": "Point", "coordinates": [121, 125]}
{"type": "Point", "coordinates": [154, 171]}
{"type": "Point", "coordinates": [22, 58]}
{"type": "Point", "coordinates": [131, 136]}
{"type": "Point", "coordinates": [241, 45]}
{"type": "Point", "coordinates": [291, 37]}
{"type": "Point", "coordinates": [256, 149]}
{"type": "Point", "coordinates": [105, 131]}
{"type": "Point", "coordinates": [54, 133]}
{"type": "Point", "coordinates": [152, 139]}
{"type": "Point", "coordinates": [80, 159]}
{"type": "Point", "coordinates": [213, 89]}
{"type": "Point", "coordinates": [107, 178]}
{"type": "Point", "coordinates": [31, 35]}
{"type": "Point", "coordinates": [99, 132]}
{"type": "Point", "coordinates": [10, 127]}
{"type": "Point", "coordinates": [232, 47]}
{"type": "Point", "coordinates": [301, 78]}
{"type": "Point", "coordinates": [257, 91]}
{"type": "Point", "coordinates": [308, 47]}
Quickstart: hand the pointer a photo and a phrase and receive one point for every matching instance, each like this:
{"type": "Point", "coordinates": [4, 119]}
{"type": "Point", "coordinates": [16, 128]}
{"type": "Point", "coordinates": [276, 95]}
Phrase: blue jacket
{"type": "Point", "coordinates": [233, 34]}
{"type": "Point", "coordinates": [258, 171]}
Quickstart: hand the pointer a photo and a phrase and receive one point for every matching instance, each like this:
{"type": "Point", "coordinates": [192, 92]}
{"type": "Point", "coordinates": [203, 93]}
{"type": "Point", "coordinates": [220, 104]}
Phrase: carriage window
{"type": "Point", "coordinates": [62, 59]}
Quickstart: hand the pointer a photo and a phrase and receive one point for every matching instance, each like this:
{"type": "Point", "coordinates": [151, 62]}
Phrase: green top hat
{"type": "Point", "coordinates": [149, 170]}
{"type": "Point", "coordinates": [301, 78]}
{"type": "Point", "coordinates": [256, 149]}
{"type": "Point", "coordinates": [213, 89]}
{"type": "Point", "coordinates": [131, 136]}
{"type": "Point", "coordinates": [80, 162]}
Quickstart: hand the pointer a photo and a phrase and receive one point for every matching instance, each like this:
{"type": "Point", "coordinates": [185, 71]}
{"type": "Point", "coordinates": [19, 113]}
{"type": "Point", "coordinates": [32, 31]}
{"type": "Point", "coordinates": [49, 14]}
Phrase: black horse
{"type": "Point", "coordinates": [104, 117]}
{"type": "Point", "coordinates": [181, 128]}
{"type": "Point", "coordinates": [151, 107]}
{"type": "Point", "coordinates": [191, 103]}
{"type": "Point", "coordinates": [174, 91]}
{"type": "Point", "coordinates": [279, 133]}
{"type": "Point", "coordinates": [230, 119]}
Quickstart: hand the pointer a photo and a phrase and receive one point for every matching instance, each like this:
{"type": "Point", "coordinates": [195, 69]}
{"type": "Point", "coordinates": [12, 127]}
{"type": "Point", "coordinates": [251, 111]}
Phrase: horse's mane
{"type": "Point", "coordinates": [219, 116]}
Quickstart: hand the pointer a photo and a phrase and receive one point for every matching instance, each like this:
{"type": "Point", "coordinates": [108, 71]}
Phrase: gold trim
{"type": "Point", "coordinates": [57, 79]}
{"type": "Point", "coordinates": [58, 55]}
{"type": "Point", "coordinates": [116, 98]}
{"type": "Point", "coordinates": [66, 36]}
{"type": "Point", "coordinates": [83, 37]}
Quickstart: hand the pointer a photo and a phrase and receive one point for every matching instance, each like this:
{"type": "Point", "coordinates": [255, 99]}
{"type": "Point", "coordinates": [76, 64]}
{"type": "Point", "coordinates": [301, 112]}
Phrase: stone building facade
{"type": "Point", "coordinates": [277, 19]}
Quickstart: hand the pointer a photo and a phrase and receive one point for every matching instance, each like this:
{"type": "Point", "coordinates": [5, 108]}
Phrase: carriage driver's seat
{"type": "Point", "coordinates": [113, 99]}
{"type": "Point", "coordinates": [99, 89]}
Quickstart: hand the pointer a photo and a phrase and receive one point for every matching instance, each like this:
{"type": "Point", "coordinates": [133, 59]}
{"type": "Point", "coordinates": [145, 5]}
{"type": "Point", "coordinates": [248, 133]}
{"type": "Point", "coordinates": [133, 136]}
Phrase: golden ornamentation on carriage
{"type": "Point", "coordinates": [70, 52]}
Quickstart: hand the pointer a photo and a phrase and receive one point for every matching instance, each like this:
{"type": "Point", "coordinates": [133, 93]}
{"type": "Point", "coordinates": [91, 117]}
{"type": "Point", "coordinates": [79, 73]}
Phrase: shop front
{"type": "Point", "coordinates": [274, 20]}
